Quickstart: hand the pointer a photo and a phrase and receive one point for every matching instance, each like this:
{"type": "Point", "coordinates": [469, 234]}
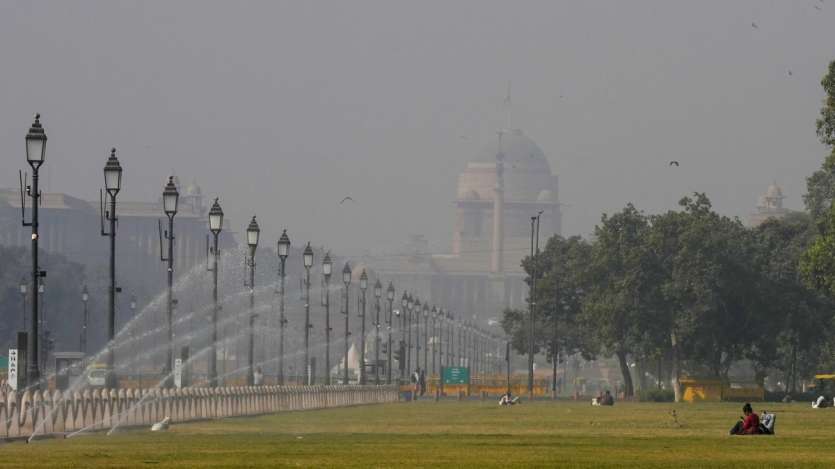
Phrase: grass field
{"type": "Point", "coordinates": [457, 434]}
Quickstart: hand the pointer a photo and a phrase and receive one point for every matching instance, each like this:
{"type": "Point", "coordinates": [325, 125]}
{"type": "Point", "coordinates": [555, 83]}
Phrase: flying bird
{"type": "Point", "coordinates": [673, 163]}
{"type": "Point", "coordinates": [754, 25]}
{"type": "Point", "coordinates": [790, 72]}
{"type": "Point", "coordinates": [817, 7]}
{"type": "Point", "coordinates": [347, 198]}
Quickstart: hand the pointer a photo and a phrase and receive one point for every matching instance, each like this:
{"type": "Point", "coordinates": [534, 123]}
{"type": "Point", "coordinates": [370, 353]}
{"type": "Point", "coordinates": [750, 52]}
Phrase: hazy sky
{"type": "Point", "coordinates": [283, 108]}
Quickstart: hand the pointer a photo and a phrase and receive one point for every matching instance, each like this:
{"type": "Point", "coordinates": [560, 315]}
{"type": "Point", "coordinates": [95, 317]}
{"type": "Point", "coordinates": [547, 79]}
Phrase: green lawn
{"type": "Point", "coordinates": [455, 434]}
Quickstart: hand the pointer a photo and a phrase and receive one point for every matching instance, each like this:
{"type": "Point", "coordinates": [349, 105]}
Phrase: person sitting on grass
{"type": "Point", "coordinates": [747, 425]}
{"type": "Point", "coordinates": [607, 399]}
{"type": "Point", "coordinates": [508, 399]}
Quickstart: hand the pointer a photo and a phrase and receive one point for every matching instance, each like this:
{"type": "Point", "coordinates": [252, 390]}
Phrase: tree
{"type": "Point", "coordinates": [708, 287]}
{"type": "Point", "coordinates": [799, 317]}
{"type": "Point", "coordinates": [820, 186]}
{"type": "Point", "coordinates": [613, 307]}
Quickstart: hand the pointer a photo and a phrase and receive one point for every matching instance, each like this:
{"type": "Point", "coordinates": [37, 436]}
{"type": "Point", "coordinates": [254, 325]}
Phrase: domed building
{"type": "Point", "coordinates": [769, 205]}
{"type": "Point", "coordinates": [509, 181]}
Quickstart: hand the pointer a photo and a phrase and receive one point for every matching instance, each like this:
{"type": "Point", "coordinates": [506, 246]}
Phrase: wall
{"type": "Point", "coordinates": [54, 413]}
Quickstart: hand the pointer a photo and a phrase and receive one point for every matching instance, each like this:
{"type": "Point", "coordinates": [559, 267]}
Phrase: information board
{"type": "Point", "coordinates": [12, 371]}
{"type": "Point", "coordinates": [456, 375]}
{"type": "Point", "coordinates": [178, 373]}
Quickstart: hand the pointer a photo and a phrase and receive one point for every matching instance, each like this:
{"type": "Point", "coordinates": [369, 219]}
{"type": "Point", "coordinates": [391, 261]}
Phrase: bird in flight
{"type": "Point", "coordinates": [754, 25]}
{"type": "Point", "coordinates": [673, 163]}
{"type": "Point", "coordinates": [790, 72]}
{"type": "Point", "coordinates": [347, 198]}
{"type": "Point", "coordinates": [817, 7]}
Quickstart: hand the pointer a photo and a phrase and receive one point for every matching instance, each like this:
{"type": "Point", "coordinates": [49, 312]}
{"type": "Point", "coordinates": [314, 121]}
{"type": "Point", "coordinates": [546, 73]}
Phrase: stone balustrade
{"type": "Point", "coordinates": [56, 413]}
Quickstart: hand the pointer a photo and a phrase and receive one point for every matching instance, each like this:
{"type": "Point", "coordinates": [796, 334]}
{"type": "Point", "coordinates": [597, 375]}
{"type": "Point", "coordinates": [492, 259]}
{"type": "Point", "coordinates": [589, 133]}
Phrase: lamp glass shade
{"type": "Point", "coordinates": [363, 280]}
{"type": "Point", "coordinates": [308, 256]}
{"type": "Point", "coordinates": [84, 295]}
{"type": "Point", "coordinates": [390, 292]}
{"type": "Point", "coordinates": [346, 274]}
{"type": "Point", "coordinates": [378, 289]}
{"type": "Point", "coordinates": [215, 218]}
{"type": "Point", "coordinates": [283, 244]}
{"type": "Point", "coordinates": [253, 232]}
{"type": "Point", "coordinates": [170, 198]}
{"type": "Point", "coordinates": [23, 286]}
{"type": "Point", "coordinates": [327, 265]}
{"type": "Point", "coordinates": [112, 173]}
{"type": "Point", "coordinates": [404, 301]}
{"type": "Point", "coordinates": [36, 143]}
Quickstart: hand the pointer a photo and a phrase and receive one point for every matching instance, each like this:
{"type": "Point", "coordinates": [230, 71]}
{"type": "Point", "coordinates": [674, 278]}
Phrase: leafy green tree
{"type": "Point", "coordinates": [613, 310]}
{"type": "Point", "coordinates": [800, 318]}
{"type": "Point", "coordinates": [708, 288]}
{"type": "Point", "coordinates": [820, 186]}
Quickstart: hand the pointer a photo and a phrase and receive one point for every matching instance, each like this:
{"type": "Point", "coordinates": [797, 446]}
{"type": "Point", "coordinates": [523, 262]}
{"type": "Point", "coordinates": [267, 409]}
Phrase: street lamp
{"type": "Point", "coordinates": [253, 232]}
{"type": "Point", "coordinates": [283, 252]}
{"type": "Point", "coordinates": [112, 184]}
{"type": "Point", "coordinates": [346, 280]}
{"type": "Point", "coordinates": [390, 298]}
{"type": "Point", "coordinates": [416, 319]}
{"type": "Point", "coordinates": [35, 157]}
{"type": "Point", "coordinates": [85, 297]}
{"type": "Point", "coordinates": [327, 269]}
{"type": "Point", "coordinates": [170, 199]}
{"type": "Point", "coordinates": [215, 226]}
{"type": "Point", "coordinates": [425, 336]}
{"type": "Point", "coordinates": [378, 292]}
{"type": "Point", "coordinates": [308, 262]}
{"type": "Point", "coordinates": [409, 304]}
{"type": "Point", "coordinates": [363, 288]}
{"type": "Point", "coordinates": [434, 340]}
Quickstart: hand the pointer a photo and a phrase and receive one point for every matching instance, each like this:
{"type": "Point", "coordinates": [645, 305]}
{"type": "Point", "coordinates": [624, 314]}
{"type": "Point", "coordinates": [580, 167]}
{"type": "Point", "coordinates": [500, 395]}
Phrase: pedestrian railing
{"type": "Point", "coordinates": [36, 413]}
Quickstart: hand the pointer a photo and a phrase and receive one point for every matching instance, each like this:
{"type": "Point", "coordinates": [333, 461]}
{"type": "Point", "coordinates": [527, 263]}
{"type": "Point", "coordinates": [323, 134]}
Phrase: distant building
{"type": "Point", "coordinates": [71, 227]}
{"type": "Point", "coordinates": [770, 205]}
{"type": "Point", "coordinates": [508, 182]}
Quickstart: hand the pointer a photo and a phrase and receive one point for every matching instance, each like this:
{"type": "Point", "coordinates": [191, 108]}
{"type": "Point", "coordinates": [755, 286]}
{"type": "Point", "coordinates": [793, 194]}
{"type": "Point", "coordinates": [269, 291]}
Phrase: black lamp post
{"type": "Point", "coordinates": [346, 280]}
{"type": "Point", "coordinates": [434, 340]}
{"type": "Point", "coordinates": [416, 319]}
{"type": "Point", "coordinates": [425, 336]}
{"type": "Point", "coordinates": [170, 198]}
{"type": "Point", "coordinates": [112, 184]}
{"type": "Point", "coordinates": [378, 292]}
{"type": "Point", "coordinates": [400, 350]}
{"type": "Point", "coordinates": [404, 357]}
{"type": "Point", "coordinates": [327, 270]}
{"type": "Point", "coordinates": [35, 156]}
{"type": "Point", "coordinates": [85, 297]}
{"type": "Point", "coordinates": [390, 298]}
{"type": "Point", "coordinates": [215, 226]}
{"type": "Point", "coordinates": [409, 304]}
{"type": "Point", "coordinates": [363, 288]}
{"type": "Point", "coordinates": [283, 252]}
{"type": "Point", "coordinates": [253, 232]}
{"type": "Point", "coordinates": [308, 262]}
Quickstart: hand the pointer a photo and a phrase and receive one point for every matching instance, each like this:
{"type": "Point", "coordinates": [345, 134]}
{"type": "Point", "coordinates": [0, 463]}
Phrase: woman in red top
{"type": "Point", "coordinates": [748, 425]}
{"type": "Point", "coordinates": [751, 422]}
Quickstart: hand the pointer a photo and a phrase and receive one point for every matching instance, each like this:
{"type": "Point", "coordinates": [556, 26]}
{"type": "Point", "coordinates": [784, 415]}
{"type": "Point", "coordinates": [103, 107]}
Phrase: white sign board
{"type": "Point", "coordinates": [12, 369]}
{"type": "Point", "coordinates": [178, 373]}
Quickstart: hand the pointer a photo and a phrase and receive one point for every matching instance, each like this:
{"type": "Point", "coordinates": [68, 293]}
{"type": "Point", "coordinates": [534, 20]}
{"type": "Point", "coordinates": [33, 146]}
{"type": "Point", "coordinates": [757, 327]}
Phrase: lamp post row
{"type": "Point", "coordinates": [36, 156]}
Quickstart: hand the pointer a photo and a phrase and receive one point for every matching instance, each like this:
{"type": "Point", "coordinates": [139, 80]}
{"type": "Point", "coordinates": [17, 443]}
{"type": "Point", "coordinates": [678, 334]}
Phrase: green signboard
{"type": "Point", "coordinates": [456, 375]}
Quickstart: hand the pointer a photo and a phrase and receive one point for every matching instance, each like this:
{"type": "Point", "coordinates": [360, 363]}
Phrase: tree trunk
{"type": "Point", "coordinates": [674, 378]}
{"type": "Point", "coordinates": [628, 390]}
